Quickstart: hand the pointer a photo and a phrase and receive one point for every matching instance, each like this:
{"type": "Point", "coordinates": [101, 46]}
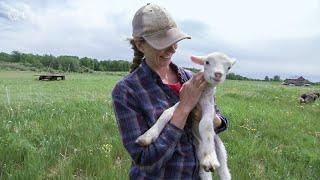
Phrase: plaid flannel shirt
{"type": "Point", "coordinates": [139, 99]}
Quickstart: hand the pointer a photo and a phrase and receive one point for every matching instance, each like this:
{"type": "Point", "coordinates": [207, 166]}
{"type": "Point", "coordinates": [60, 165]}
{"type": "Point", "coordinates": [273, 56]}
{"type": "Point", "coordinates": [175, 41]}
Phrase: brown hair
{"type": "Point", "coordinates": [138, 55]}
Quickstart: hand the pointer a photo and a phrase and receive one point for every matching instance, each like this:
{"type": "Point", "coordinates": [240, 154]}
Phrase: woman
{"type": "Point", "coordinates": [155, 84]}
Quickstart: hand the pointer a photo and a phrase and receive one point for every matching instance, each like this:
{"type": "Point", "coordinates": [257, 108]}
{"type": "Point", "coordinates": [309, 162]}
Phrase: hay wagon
{"type": "Point", "coordinates": [51, 77]}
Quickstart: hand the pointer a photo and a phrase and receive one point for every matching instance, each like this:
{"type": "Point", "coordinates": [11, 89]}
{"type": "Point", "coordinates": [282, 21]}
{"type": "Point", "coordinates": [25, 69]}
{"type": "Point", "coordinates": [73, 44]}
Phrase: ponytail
{"type": "Point", "coordinates": [138, 56]}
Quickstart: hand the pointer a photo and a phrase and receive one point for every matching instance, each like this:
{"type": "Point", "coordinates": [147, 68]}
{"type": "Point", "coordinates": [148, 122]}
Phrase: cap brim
{"type": "Point", "coordinates": [166, 38]}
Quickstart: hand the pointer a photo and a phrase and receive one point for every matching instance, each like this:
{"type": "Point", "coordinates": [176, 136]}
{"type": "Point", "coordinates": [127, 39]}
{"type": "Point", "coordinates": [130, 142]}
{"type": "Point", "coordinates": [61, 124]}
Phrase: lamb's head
{"type": "Point", "coordinates": [216, 66]}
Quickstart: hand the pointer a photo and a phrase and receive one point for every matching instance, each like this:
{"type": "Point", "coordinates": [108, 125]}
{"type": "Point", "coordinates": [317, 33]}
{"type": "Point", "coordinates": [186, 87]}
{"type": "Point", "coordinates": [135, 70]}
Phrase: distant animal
{"type": "Point", "coordinates": [210, 150]}
{"type": "Point", "coordinates": [309, 97]}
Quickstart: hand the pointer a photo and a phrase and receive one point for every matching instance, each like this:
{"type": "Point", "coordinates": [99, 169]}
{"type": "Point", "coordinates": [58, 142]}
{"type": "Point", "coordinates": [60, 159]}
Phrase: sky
{"type": "Point", "coordinates": [267, 37]}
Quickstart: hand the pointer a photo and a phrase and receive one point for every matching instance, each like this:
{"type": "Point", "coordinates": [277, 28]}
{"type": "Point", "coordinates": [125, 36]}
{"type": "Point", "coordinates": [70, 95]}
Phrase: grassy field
{"type": "Point", "coordinates": [67, 130]}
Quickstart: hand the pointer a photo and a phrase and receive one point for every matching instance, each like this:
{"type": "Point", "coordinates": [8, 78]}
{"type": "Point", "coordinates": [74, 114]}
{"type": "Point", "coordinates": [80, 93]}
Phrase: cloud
{"type": "Point", "coordinates": [286, 58]}
{"type": "Point", "coordinates": [59, 29]}
{"type": "Point", "coordinates": [267, 37]}
{"type": "Point", "coordinates": [15, 12]}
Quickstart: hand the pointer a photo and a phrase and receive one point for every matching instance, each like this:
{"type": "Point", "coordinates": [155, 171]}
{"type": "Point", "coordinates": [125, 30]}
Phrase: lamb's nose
{"type": "Point", "coordinates": [218, 75]}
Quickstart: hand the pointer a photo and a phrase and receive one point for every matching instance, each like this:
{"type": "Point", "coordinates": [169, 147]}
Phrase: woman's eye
{"type": "Point", "coordinates": [207, 62]}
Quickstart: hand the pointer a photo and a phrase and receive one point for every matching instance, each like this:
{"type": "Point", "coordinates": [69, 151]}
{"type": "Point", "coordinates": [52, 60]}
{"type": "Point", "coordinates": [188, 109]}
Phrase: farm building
{"type": "Point", "coordinates": [300, 81]}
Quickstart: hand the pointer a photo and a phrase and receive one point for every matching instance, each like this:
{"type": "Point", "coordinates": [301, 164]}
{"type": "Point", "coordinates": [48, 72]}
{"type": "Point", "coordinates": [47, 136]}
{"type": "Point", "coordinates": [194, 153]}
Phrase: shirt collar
{"type": "Point", "coordinates": [149, 72]}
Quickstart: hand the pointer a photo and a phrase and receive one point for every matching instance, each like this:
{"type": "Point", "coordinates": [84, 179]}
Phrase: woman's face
{"type": "Point", "coordinates": [158, 58]}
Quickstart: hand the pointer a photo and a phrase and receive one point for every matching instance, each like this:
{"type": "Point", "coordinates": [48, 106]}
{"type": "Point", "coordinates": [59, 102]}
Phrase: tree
{"type": "Point", "coordinates": [276, 78]}
{"type": "Point", "coordinates": [69, 63]}
{"type": "Point", "coordinates": [87, 62]}
{"type": "Point", "coordinates": [266, 78]}
{"type": "Point", "coordinates": [16, 56]}
{"type": "Point", "coordinates": [5, 57]}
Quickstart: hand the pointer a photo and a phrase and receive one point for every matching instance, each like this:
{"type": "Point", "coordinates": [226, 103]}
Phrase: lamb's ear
{"type": "Point", "coordinates": [198, 59]}
{"type": "Point", "coordinates": [233, 61]}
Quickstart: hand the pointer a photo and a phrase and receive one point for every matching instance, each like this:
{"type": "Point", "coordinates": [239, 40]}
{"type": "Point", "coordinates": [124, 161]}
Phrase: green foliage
{"type": "Point", "coordinates": [17, 66]}
{"type": "Point", "coordinates": [119, 65]}
{"type": "Point", "coordinates": [63, 63]}
{"type": "Point", "coordinates": [194, 70]}
{"type": "Point", "coordinates": [276, 78]}
{"type": "Point", "coordinates": [233, 76]}
{"type": "Point", "coordinates": [4, 57]}
{"type": "Point", "coordinates": [67, 129]}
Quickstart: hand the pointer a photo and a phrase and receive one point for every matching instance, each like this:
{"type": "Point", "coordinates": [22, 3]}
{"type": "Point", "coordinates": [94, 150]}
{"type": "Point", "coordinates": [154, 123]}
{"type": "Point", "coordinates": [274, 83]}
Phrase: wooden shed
{"type": "Point", "coordinates": [300, 81]}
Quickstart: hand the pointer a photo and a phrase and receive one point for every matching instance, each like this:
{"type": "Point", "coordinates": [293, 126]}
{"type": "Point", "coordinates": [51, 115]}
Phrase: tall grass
{"type": "Point", "coordinates": [59, 129]}
{"type": "Point", "coordinates": [67, 130]}
{"type": "Point", "coordinates": [271, 135]}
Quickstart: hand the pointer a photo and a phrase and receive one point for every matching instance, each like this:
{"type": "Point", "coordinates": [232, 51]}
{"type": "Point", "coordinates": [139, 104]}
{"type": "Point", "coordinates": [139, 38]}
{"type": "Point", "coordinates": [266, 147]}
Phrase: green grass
{"type": "Point", "coordinates": [67, 130]}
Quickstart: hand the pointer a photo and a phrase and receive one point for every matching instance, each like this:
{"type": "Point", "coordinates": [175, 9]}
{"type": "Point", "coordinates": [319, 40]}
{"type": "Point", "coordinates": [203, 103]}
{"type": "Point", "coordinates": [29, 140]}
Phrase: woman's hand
{"type": "Point", "coordinates": [191, 91]}
{"type": "Point", "coordinates": [189, 96]}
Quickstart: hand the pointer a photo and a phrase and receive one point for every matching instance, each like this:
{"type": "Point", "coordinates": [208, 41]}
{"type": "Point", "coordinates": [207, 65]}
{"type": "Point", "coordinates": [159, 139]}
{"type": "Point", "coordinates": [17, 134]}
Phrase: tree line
{"type": "Point", "coordinates": [275, 78]}
{"type": "Point", "coordinates": [233, 76]}
{"type": "Point", "coordinates": [75, 64]}
{"type": "Point", "coordinates": [64, 63]}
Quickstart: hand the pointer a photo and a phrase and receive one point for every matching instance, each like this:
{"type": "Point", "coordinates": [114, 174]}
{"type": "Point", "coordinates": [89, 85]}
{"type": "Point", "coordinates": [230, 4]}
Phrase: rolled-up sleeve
{"type": "Point", "coordinates": [132, 124]}
{"type": "Point", "coordinates": [224, 121]}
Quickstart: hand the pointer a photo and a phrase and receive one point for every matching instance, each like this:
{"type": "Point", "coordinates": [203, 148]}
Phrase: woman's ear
{"type": "Point", "coordinates": [139, 45]}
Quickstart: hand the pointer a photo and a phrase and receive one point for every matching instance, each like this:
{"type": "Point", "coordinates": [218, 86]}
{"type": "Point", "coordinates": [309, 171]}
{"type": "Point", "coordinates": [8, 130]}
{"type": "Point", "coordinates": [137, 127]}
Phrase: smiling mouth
{"type": "Point", "coordinates": [167, 57]}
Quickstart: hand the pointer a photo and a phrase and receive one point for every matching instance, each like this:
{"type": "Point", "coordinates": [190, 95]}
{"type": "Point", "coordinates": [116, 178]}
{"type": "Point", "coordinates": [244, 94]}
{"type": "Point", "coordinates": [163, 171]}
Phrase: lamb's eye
{"type": "Point", "coordinates": [229, 68]}
{"type": "Point", "coordinates": [207, 62]}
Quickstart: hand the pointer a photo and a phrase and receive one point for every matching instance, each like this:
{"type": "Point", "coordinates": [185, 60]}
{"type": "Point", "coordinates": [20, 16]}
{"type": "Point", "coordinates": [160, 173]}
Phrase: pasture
{"type": "Point", "coordinates": [67, 130]}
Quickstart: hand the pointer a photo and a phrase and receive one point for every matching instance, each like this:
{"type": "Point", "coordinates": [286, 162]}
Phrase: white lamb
{"type": "Point", "coordinates": [210, 149]}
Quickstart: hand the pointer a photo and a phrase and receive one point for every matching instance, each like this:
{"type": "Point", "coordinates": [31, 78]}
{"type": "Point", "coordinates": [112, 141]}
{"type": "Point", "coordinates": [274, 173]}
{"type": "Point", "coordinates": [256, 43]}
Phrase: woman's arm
{"type": "Point", "coordinates": [132, 124]}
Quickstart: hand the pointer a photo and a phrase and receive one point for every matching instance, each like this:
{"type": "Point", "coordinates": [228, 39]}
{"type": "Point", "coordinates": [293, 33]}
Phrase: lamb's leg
{"type": "Point", "coordinates": [208, 156]}
{"type": "Point", "coordinates": [223, 171]}
{"type": "Point", "coordinates": [204, 175]}
{"type": "Point", "coordinates": [153, 133]}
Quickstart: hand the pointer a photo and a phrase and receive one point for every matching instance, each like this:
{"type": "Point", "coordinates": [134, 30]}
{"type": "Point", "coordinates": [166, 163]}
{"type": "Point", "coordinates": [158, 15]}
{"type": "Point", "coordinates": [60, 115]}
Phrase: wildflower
{"type": "Point", "coordinates": [106, 148]}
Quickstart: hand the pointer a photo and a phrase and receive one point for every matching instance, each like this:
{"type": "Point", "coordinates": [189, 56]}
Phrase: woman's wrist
{"type": "Point", "coordinates": [180, 116]}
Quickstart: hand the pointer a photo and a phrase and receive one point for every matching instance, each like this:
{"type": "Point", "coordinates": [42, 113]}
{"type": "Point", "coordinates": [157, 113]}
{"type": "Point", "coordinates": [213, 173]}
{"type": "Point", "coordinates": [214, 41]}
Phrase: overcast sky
{"type": "Point", "coordinates": [267, 37]}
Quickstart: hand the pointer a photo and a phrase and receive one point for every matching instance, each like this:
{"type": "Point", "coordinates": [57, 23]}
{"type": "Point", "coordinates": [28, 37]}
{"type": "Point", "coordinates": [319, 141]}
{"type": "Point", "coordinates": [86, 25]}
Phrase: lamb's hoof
{"type": "Point", "coordinates": [144, 140]}
{"type": "Point", "coordinates": [210, 163]}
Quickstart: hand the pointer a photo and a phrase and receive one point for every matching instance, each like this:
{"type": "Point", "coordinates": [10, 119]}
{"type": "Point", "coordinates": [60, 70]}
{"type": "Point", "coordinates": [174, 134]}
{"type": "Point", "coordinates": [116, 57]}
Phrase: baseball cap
{"type": "Point", "coordinates": [154, 24]}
